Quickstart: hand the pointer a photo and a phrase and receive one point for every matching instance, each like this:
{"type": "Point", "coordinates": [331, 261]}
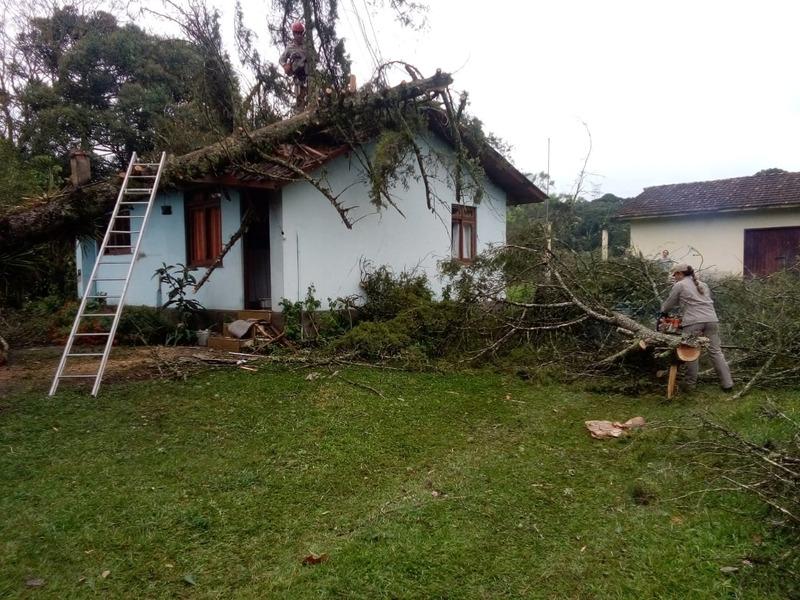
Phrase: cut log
{"type": "Point", "coordinates": [687, 353]}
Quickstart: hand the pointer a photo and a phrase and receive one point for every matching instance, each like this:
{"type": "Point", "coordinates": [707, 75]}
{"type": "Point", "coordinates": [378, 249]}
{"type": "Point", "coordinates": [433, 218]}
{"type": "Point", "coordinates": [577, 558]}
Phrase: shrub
{"type": "Point", "coordinates": [144, 324]}
{"type": "Point", "coordinates": [38, 322]}
{"type": "Point", "coordinates": [376, 340]}
{"type": "Point", "coordinates": [430, 329]}
{"type": "Point", "coordinates": [388, 294]}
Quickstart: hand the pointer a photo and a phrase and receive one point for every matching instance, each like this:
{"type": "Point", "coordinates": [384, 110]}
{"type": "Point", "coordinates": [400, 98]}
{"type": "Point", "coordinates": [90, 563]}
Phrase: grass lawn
{"type": "Point", "coordinates": [450, 486]}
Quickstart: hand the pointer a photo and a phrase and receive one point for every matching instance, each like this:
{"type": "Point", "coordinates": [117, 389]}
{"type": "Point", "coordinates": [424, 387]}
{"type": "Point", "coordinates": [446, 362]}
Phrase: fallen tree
{"type": "Point", "coordinates": [77, 211]}
{"type": "Point", "coordinates": [590, 316]}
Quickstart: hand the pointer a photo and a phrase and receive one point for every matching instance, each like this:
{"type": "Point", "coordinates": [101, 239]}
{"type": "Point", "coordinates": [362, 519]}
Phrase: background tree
{"type": "Point", "coordinates": [576, 223]}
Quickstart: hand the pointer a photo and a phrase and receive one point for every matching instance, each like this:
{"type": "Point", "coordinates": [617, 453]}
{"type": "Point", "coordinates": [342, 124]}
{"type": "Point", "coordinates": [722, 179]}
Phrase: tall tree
{"type": "Point", "coordinates": [85, 80]}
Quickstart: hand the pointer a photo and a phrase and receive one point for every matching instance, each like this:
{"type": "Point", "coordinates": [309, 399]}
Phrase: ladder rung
{"type": "Point", "coordinates": [88, 334]}
{"type": "Point", "coordinates": [98, 315]}
{"type": "Point", "coordinates": [132, 202]}
{"type": "Point", "coordinates": [73, 376]}
{"type": "Point", "coordinates": [138, 190]}
{"type": "Point", "coordinates": [130, 232]}
{"type": "Point", "coordinates": [85, 353]}
{"type": "Point", "coordinates": [109, 279]}
{"type": "Point", "coordinates": [146, 164]}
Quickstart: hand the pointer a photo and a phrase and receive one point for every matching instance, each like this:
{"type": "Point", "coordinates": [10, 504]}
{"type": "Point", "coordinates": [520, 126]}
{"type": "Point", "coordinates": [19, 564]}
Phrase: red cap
{"type": "Point", "coordinates": [298, 27]}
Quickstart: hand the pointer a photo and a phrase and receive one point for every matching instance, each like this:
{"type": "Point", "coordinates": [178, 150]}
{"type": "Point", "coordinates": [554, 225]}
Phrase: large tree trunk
{"type": "Point", "coordinates": [76, 211]}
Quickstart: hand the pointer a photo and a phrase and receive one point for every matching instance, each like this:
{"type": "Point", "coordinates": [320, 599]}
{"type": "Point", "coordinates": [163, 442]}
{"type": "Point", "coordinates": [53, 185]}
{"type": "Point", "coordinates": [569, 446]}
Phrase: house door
{"type": "Point", "coordinates": [770, 250]}
{"type": "Point", "coordinates": [255, 245]}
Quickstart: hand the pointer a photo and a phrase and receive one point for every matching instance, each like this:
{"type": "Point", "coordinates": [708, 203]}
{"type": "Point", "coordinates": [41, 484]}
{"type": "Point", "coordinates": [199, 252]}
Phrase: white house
{"type": "Point", "coordinates": [742, 226]}
{"type": "Point", "coordinates": [298, 239]}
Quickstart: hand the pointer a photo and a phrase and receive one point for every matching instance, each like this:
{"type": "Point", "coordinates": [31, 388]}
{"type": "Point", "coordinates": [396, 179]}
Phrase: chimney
{"type": "Point", "coordinates": [80, 167]}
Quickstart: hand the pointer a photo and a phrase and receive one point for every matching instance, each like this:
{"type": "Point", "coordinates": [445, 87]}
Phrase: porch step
{"type": "Point", "coordinates": [229, 344]}
{"type": "Point", "coordinates": [261, 315]}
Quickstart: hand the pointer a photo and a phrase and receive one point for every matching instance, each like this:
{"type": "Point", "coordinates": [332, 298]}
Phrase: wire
{"type": "Point", "coordinates": [372, 27]}
{"type": "Point", "coordinates": [373, 54]}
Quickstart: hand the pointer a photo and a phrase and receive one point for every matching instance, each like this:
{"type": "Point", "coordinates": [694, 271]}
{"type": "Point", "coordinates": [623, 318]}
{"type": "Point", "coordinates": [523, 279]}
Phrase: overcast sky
{"type": "Point", "coordinates": [671, 92]}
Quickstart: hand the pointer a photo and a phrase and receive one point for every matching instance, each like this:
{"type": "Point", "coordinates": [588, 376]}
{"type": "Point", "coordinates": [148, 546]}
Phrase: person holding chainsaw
{"type": "Point", "coordinates": [693, 297]}
{"type": "Point", "coordinates": [294, 62]}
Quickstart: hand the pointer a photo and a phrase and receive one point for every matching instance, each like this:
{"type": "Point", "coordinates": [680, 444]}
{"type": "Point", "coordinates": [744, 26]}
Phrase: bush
{"type": "Point", "coordinates": [430, 329]}
{"type": "Point", "coordinates": [376, 340]}
{"type": "Point", "coordinates": [38, 322]}
{"type": "Point", "coordinates": [144, 324]}
{"type": "Point", "coordinates": [387, 294]}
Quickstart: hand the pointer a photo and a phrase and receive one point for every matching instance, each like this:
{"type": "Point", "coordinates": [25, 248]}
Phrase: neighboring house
{"type": "Point", "coordinates": [298, 239]}
{"type": "Point", "coordinates": [744, 226]}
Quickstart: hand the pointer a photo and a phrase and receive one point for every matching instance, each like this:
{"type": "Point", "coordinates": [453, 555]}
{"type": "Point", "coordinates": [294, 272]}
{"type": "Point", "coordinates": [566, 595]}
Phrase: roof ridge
{"type": "Point", "coordinates": [759, 174]}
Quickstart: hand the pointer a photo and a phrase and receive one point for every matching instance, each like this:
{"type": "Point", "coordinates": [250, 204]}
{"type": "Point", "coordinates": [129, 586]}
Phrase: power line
{"type": "Point", "coordinates": [373, 54]}
{"type": "Point", "coordinates": [372, 27]}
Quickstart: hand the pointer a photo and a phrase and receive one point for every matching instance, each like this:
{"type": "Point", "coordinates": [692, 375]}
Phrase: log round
{"type": "Point", "coordinates": [687, 353]}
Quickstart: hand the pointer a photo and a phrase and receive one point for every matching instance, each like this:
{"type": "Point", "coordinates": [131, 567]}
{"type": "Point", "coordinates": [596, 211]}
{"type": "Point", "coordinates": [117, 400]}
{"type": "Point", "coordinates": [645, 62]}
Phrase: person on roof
{"type": "Point", "coordinates": [693, 297]}
{"type": "Point", "coordinates": [294, 61]}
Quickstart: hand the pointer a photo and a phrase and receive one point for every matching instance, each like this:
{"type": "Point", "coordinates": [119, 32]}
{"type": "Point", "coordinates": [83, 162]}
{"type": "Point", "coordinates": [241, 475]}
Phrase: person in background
{"type": "Point", "coordinates": [693, 297]}
{"type": "Point", "coordinates": [664, 261]}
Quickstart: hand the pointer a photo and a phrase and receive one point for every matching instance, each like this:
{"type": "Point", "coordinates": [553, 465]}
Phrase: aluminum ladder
{"type": "Point", "coordinates": [141, 180]}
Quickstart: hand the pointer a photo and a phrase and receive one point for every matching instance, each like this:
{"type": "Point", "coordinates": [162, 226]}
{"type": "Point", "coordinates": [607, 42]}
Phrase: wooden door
{"type": "Point", "coordinates": [769, 250]}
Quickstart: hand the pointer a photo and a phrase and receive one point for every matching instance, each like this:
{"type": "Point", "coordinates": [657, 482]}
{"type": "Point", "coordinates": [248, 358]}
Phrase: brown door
{"type": "Point", "coordinates": [770, 250]}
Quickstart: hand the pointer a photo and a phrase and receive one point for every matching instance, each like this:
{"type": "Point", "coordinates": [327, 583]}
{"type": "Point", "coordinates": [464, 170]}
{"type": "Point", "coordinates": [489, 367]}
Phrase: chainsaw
{"type": "Point", "coordinates": [667, 323]}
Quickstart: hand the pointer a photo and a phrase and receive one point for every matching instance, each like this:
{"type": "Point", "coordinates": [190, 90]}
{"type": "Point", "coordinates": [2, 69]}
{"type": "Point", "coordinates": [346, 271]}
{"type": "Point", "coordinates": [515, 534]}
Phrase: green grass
{"type": "Point", "coordinates": [452, 486]}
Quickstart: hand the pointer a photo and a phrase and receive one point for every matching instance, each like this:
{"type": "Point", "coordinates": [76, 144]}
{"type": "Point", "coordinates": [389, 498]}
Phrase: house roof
{"type": "Point", "coordinates": [312, 148]}
{"type": "Point", "coordinates": [772, 188]}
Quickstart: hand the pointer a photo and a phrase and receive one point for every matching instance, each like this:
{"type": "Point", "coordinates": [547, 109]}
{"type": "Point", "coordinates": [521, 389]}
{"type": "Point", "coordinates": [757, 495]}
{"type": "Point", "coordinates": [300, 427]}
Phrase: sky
{"type": "Point", "coordinates": [661, 92]}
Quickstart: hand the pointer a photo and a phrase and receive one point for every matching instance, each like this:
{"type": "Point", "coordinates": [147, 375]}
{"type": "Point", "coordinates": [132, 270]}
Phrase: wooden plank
{"type": "Point", "coordinates": [225, 343]}
{"type": "Point", "coordinates": [263, 315]}
{"type": "Point", "coordinates": [673, 378]}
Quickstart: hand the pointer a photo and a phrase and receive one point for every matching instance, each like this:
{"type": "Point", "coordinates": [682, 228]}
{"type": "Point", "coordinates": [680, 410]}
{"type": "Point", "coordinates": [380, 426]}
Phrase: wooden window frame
{"type": "Point", "coordinates": [121, 239]}
{"type": "Point", "coordinates": [464, 215]}
{"type": "Point", "coordinates": [209, 207]}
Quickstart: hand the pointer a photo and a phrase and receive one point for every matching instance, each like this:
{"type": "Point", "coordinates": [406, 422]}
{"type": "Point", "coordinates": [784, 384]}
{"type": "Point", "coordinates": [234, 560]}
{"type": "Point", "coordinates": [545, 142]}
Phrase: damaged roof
{"type": "Point", "coordinates": [772, 188]}
{"type": "Point", "coordinates": [308, 148]}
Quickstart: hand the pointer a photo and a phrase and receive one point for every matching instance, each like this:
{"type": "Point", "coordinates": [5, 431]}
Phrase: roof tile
{"type": "Point", "coordinates": [766, 189]}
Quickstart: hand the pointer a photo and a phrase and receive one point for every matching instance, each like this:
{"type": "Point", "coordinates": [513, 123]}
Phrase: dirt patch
{"type": "Point", "coordinates": [32, 369]}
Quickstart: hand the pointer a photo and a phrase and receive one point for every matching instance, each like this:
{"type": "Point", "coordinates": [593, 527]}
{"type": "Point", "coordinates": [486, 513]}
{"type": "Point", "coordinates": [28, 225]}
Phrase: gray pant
{"type": "Point", "coordinates": [711, 331]}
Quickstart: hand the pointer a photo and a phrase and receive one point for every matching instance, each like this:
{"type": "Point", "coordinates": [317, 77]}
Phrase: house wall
{"type": "Point", "coordinates": [718, 239]}
{"type": "Point", "coordinates": [319, 250]}
{"type": "Point", "coordinates": [309, 244]}
{"type": "Point", "coordinates": [165, 242]}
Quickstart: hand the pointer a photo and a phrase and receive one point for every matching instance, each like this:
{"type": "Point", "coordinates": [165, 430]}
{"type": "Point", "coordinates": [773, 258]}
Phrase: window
{"type": "Point", "coordinates": [464, 237]}
{"type": "Point", "coordinates": [203, 230]}
{"type": "Point", "coordinates": [122, 237]}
